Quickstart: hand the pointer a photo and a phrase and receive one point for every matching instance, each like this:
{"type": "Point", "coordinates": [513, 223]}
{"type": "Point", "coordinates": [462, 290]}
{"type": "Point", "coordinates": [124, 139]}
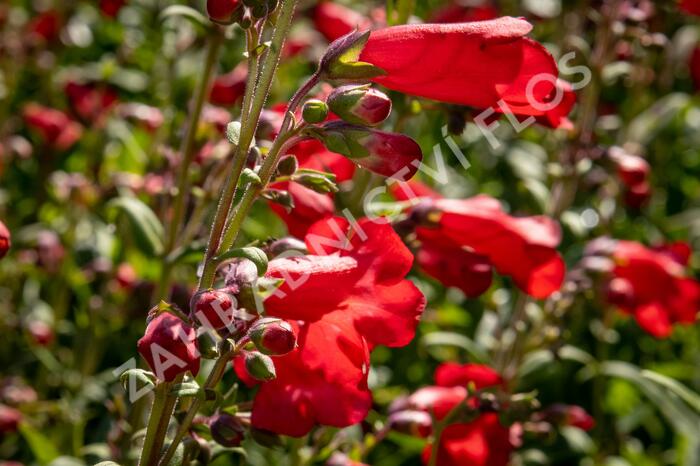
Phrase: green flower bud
{"type": "Point", "coordinates": [314, 111]}
{"type": "Point", "coordinates": [260, 366]}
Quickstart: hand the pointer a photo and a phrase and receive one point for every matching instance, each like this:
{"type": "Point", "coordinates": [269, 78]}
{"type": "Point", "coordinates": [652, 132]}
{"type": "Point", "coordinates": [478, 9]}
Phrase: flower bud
{"type": "Point", "coordinates": [273, 336]}
{"type": "Point", "coordinates": [169, 346]}
{"type": "Point", "coordinates": [226, 430]}
{"type": "Point", "coordinates": [286, 245]}
{"type": "Point", "coordinates": [288, 165]}
{"type": "Point", "coordinates": [631, 168]}
{"type": "Point", "coordinates": [223, 11]}
{"type": "Point", "coordinates": [415, 423]}
{"type": "Point", "coordinates": [387, 154]}
{"type": "Point", "coordinates": [207, 345]}
{"type": "Point", "coordinates": [260, 366]}
{"type": "Point", "coordinates": [4, 240]}
{"type": "Point", "coordinates": [360, 105]}
{"type": "Point", "coordinates": [314, 111]}
{"type": "Point", "coordinates": [213, 309]}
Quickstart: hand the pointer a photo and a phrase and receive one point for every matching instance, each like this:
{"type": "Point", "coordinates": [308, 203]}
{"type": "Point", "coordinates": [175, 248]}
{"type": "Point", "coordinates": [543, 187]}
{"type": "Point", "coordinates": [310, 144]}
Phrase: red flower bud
{"type": "Point", "coordinates": [568, 415]}
{"type": "Point", "coordinates": [222, 11]}
{"type": "Point", "coordinates": [214, 309]}
{"type": "Point", "coordinates": [41, 332]}
{"type": "Point", "coordinates": [169, 346]}
{"type": "Point", "coordinates": [260, 366]}
{"type": "Point", "coordinates": [273, 336]}
{"type": "Point", "coordinates": [632, 169]}
{"type": "Point", "coordinates": [387, 154]}
{"type": "Point", "coordinates": [416, 423]}
{"type": "Point", "coordinates": [226, 430]}
{"type": "Point", "coordinates": [4, 240]}
{"type": "Point", "coordinates": [360, 105]}
{"type": "Point", "coordinates": [9, 419]}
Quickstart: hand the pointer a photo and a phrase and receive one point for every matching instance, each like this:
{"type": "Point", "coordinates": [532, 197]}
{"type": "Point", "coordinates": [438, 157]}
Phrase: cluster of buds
{"type": "Point", "coordinates": [269, 337]}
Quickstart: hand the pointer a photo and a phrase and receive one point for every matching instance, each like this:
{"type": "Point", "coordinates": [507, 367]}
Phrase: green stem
{"type": "Point", "coordinates": [214, 42]}
{"type": "Point", "coordinates": [150, 445]}
{"type": "Point", "coordinates": [258, 96]}
{"type": "Point", "coordinates": [213, 379]}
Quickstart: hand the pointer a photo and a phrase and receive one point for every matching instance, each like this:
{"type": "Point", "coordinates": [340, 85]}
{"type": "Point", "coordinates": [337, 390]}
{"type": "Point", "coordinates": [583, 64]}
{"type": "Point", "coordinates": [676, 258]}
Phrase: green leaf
{"type": "Point", "coordinates": [184, 11]}
{"type": "Point", "coordinates": [458, 340]}
{"type": "Point", "coordinates": [147, 229]}
{"type": "Point", "coordinates": [255, 255]}
{"type": "Point", "coordinates": [43, 449]}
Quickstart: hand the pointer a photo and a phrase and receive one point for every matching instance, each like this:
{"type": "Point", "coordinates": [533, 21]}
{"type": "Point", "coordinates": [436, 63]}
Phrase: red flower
{"type": "Point", "coordinates": [347, 297]}
{"type": "Point", "coordinates": [334, 20]}
{"type": "Point", "coordinates": [690, 6]}
{"type": "Point", "coordinates": [482, 442]}
{"type": "Point", "coordinates": [111, 8]}
{"type": "Point", "coordinates": [463, 14]}
{"type": "Point", "coordinates": [632, 169]}
{"type": "Point", "coordinates": [55, 127]}
{"type": "Point", "coordinates": [221, 11]}
{"type": "Point", "coordinates": [5, 240]}
{"type": "Point", "coordinates": [462, 238]}
{"type": "Point", "coordinates": [229, 87]}
{"type": "Point", "coordinates": [169, 346]}
{"type": "Point", "coordinates": [661, 293]}
{"type": "Point", "coordinates": [89, 102]}
{"type": "Point", "coordinates": [474, 64]}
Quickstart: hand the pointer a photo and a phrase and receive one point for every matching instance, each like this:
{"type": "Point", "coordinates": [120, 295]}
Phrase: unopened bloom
{"type": "Point", "coordinates": [387, 154]}
{"type": "Point", "coordinates": [169, 346]}
{"type": "Point", "coordinates": [346, 297]}
{"type": "Point", "coordinates": [273, 336]}
{"type": "Point", "coordinates": [222, 11]}
{"type": "Point", "coordinates": [360, 105]}
{"type": "Point", "coordinates": [5, 240]}
{"type": "Point", "coordinates": [226, 430]}
{"type": "Point", "coordinates": [214, 309]}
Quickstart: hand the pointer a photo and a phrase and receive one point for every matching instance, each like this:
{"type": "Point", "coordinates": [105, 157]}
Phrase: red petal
{"type": "Point", "coordinates": [473, 64]}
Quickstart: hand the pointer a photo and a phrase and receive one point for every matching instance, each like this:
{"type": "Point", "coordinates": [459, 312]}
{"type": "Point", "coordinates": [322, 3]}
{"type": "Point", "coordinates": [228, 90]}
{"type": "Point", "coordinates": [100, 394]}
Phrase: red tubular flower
{"type": "Point", "coordinates": [334, 20]}
{"type": "Point", "coordinates": [111, 8]}
{"type": "Point", "coordinates": [229, 87]}
{"type": "Point", "coordinates": [347, 297]}
{"type": "Point", "coordinates": [468, 236]}
{"type": "Point", "coordinates": [551, 112]}
{"type": "Point", "coordinates": [482, 442]}
{"type": "Point", "coordinates": [169, 346]}
{"type": "Point", "coordinates": [89, 102]}
{"type": "Point", "coordinates": [55, 127]}
{"type": "Point", "coordinates": [474, 64]}
{"type": "Point", "coordinates": [662, 295]}
{"type": "Point", "coordinates": [5, 240]}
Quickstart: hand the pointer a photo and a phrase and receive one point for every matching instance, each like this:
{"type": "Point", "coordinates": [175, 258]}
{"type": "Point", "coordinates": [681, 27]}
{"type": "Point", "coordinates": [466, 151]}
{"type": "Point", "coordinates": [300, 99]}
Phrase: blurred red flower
{"type": "Point", "coordinates": [334, 20]}
{"type": "Point", "coordinates": [690, 6]}
{"type": "Point", "coordinates": [45, 26]}
{"type": "Point", "coordinates": [5, 240]}
{"type": "Point", "coordinates": [661, 293]}
{"type": "Point", "coordinates": [343, 299]}
{"type": "Point", "coordinates": [481, 442]}
{"type": "Point", "coordinates": [55, 127]}
{"type": "Point", "coordinates": [111, 8]}
{"type": "Point", "coordinates": [89, 101]}
{"type": "Point", "coordinates": [474, 64]}
{"type": "Point", "coordinates": [457, 13]}
{"type": "Point", "coordinates": [228, 88]}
